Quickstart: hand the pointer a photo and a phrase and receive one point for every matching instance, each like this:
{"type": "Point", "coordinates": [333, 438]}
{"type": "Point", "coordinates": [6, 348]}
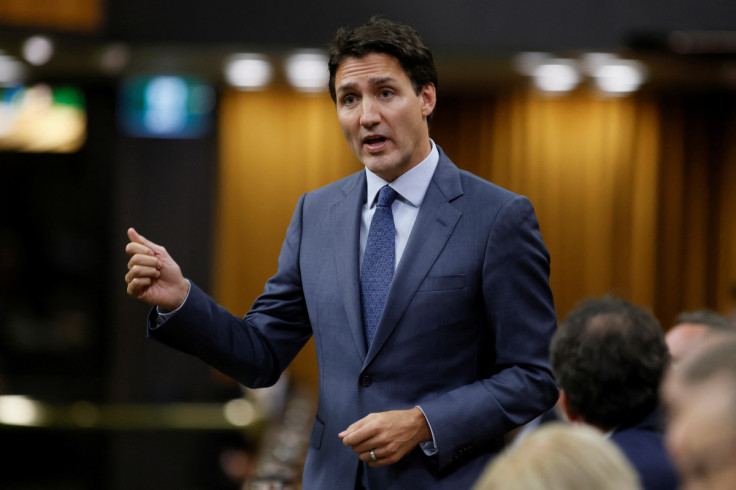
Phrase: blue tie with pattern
{"type": "Point", "coordinates": [378, 262]}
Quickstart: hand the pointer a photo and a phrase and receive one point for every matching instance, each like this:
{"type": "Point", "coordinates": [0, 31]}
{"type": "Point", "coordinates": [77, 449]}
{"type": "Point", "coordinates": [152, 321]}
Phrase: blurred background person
{"type": "Point", "coordinates": [609, 356]}
{"type": "Point", "coordinates": [689, 328]}
{"type": "Point", "coordinates": [560, 456]}
{"type": "Point", "coordinates": [700, 398]}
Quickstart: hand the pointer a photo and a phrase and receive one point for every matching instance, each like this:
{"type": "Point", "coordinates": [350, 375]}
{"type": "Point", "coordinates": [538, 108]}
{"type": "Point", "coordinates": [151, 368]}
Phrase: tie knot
{"type": "Point", "coordinates": [386, 196]}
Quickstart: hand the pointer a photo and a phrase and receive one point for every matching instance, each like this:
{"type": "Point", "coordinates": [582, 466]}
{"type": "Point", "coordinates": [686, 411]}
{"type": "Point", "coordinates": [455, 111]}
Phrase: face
{"type": "Point", "coordinates": [384, 120]}
{"type": "Point", "coordinates": [701, 435]}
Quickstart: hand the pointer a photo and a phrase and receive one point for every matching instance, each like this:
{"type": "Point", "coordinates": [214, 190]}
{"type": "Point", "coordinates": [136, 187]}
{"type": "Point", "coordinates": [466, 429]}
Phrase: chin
{"type": "Point", "coordinates": [379, 164]}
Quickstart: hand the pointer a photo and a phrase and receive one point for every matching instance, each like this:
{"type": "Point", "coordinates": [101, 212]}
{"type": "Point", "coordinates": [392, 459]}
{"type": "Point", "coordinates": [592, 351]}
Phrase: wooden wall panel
{"type": "Point", "coordinates": [85, 16]}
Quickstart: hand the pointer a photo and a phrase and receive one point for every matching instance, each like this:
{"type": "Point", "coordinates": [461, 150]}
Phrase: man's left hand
{"type": "Point", "coordinates": [390, 435]}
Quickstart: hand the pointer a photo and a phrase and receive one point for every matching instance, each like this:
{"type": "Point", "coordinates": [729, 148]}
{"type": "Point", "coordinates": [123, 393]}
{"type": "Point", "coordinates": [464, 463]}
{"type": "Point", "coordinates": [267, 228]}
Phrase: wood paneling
{"type": "Point", "coordinates": [85, 16]}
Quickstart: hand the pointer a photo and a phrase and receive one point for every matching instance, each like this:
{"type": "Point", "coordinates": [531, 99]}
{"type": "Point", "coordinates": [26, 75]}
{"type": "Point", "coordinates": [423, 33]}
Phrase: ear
{"type": "Point", "coordinates": [567, 410]}
{"type": "Point", "coordinates": [428, 97]}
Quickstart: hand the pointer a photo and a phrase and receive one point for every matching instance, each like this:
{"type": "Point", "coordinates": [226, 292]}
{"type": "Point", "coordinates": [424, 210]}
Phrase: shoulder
{"type": "Point", "coordinates": [642, 441]}
{"type": "Point", "coordinates": [476, 185]}
{"type": "Point", "coordinates": [469, 187]}
{"type": "Point", "coordinates": [646, 451]}
{"type": "Point", "coordinates": [335, 191]}
{"type": "Point", "coordinates": [487, 202]}
{"type": "Point", "coordinates": [344, 185]}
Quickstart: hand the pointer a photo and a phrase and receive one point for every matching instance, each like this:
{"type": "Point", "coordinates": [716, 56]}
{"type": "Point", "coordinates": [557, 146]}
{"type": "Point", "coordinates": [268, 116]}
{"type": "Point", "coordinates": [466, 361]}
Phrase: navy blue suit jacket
{"type": "Point", "coordinates": [643, 444]}
{"type": "Point", "coordinates": [464, 334]}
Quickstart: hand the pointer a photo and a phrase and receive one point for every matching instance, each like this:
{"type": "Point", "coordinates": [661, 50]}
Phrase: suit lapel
{"type": "Point", "coordinates": [434, 226]}
{"type": "Point", "coordinates": [346, 215]}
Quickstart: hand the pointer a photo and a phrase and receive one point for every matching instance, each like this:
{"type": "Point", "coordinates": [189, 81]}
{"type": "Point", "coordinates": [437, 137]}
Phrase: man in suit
{"type": "Point", "coordinates": [423, 366]}
{"type": "Point", "coordinates": [609, 357]}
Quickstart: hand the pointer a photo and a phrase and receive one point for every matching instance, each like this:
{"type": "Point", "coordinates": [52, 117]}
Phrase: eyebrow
{"type": "Point", "coordinates": [371, 81]}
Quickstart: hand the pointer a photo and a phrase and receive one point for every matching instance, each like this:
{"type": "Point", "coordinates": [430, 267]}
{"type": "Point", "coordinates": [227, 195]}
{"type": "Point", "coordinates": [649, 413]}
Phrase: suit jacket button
{"type": "Point", "coordinates": [365, 381]}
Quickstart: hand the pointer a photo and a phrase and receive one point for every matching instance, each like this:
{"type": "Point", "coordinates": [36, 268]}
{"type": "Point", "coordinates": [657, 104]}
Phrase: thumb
{"type": "Point", "coordinates": [136, 237]}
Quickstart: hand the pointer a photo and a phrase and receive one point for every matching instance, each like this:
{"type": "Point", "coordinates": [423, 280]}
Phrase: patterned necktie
{"type": "Point", "coordinates": [378, 262]}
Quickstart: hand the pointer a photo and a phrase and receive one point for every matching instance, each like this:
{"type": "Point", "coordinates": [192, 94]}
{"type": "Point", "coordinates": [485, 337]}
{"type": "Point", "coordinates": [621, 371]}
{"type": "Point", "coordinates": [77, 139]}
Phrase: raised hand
{"type": "Point", "coordinates": [153, 276]}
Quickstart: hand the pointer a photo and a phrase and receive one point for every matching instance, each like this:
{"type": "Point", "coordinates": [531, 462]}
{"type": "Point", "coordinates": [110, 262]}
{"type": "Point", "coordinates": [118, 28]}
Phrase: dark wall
{"type": "Point", "coordinates": [462, 25]}
{"type": "Point", "coordinates": [68, 331]}
{"type": "Point", "coordinates": [63, 228]}
{"type": "Point", "coordinates": [164, 188]}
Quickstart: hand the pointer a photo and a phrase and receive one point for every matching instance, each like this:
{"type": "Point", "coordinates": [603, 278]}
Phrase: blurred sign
{"type": "Point", "coordinates": [165, 107]}
{"type": "Point", "coordinates": [42, 118]}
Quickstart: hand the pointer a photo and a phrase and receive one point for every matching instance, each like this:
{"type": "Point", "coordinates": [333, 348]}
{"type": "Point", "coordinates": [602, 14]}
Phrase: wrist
{"type": "Point", "coordinates": [179, 296]}
{"type": "Point", "coordinates": [184, 286]}
{"type": "Point", "coordinates": [423, 433]}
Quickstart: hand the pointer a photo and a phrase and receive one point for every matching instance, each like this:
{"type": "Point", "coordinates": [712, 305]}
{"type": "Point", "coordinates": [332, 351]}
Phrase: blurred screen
{"type": "Point", "coordinates": [42, 118]}
{"type": "Point", "coordinates": [165, 107]}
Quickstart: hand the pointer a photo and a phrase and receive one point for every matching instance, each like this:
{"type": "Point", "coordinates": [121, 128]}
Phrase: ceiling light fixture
{"type": "Point", "coordinates": [307, 71]}
{"type": "Point", "coordinates": [556, 75]}
{"type": "Point", "coordinates": [619, 76]}
{"type": "Point", "coordinates": [248, 71]}
{"type": "Point", "coordinates": [38, 50]}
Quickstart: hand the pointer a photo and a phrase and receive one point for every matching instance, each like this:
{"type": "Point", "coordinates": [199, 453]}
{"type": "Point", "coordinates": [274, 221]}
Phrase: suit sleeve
{"type": "Point", "coordinates": [520, 311]}
{"type": "Point", "coordinates": [257, 348]}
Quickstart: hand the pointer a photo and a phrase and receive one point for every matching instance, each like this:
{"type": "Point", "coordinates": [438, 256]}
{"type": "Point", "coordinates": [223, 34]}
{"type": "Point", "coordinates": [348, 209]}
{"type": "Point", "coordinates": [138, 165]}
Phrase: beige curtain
{"type": "Point", "coordinates": [274, 146]}
{"type": "Point", "coordinates": [697, 245]}
{"type": "Point", "coordinates": [633, 194]}
{"type": "Point", "coordinates": [589, 166]}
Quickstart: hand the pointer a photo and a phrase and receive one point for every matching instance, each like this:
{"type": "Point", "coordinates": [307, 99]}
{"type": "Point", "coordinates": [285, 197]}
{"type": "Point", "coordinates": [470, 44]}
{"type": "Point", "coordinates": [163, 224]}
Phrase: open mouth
{"type": "Point", "coordinates": [374, 142]}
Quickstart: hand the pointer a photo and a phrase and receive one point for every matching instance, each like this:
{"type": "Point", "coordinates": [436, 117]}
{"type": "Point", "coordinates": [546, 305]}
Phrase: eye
{"type": "Point", "coordinates": [386, 93]}
{"type": "Point", "coordinates": [349, 99]}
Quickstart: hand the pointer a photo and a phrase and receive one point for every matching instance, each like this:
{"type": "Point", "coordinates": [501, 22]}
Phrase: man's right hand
{"type": "Point", "coordinates": [153, 276]}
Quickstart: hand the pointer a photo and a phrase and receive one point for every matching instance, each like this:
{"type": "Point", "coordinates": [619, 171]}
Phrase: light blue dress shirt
{"type": "Point", "coordinates": [411, 188]}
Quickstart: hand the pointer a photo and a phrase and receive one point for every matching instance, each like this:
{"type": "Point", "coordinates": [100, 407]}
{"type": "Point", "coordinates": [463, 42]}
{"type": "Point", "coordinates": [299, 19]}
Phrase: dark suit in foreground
{"type": "Point", "coordinates": [643, 444]}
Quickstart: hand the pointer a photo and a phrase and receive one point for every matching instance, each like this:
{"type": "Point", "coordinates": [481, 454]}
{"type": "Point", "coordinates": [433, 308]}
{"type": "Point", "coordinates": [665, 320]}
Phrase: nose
{"type": "Point", "coordinates": [370, 115]}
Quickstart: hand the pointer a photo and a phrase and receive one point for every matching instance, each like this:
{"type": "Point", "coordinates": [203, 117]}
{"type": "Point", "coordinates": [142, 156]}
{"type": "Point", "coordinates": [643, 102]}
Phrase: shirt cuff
{"type": "Point", "coordinates": [163, 316]}
{"type": "Point", "coordinates": [429, 447]}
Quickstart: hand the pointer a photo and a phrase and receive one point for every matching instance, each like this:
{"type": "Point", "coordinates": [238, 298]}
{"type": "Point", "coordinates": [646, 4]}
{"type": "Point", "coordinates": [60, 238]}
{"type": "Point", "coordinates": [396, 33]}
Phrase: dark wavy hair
{"type": "Point", "coordinates": [609, 356]}
{"type": "Point", "coordinates": [381, 35]}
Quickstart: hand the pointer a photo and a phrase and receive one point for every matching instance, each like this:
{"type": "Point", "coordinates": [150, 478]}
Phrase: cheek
{"type": "Point", "coordinates": [346, 126]}
{"type": "Point", "coordinates": [672, 439]}
{"type": "Point", "coordinates": [346, 118]}
{"type": "Point", "coordinates": [679, 438]}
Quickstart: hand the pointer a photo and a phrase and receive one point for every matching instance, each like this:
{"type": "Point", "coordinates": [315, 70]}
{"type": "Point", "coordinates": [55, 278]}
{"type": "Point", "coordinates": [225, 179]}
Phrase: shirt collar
{"type": "Point", "coordinates": [411, 185]}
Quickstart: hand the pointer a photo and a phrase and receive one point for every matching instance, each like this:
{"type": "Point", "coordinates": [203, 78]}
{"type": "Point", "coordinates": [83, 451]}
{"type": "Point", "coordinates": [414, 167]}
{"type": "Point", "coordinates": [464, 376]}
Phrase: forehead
{"type": "Point", "coordinates": [682, 338]}
{"type": "Point", "coordinates": [370, 68]}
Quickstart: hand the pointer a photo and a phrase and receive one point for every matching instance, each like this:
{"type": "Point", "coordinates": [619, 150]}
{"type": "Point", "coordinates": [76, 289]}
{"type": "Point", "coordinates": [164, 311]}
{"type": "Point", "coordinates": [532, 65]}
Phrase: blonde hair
{"type": "Point", "coordinates": [560, 456]}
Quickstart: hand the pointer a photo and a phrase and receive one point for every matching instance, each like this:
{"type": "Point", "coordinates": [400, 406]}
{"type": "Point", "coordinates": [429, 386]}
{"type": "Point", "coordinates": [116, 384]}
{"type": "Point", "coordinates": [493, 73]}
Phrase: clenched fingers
{"type": "Point", "coordinates": [139, 260]}
{"type": "Point", "coordinates": [134, 248]}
